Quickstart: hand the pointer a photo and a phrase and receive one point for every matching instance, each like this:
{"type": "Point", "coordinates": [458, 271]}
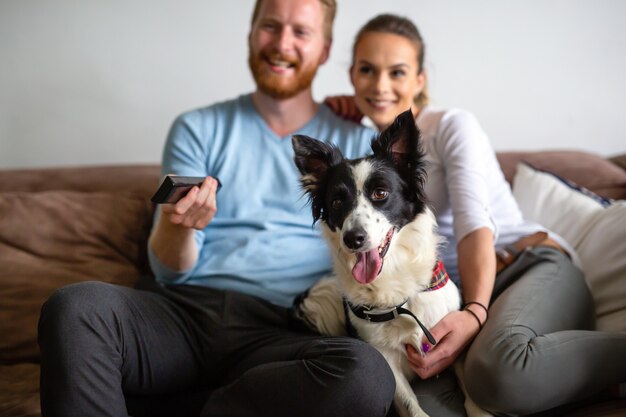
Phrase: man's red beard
{"type": "Point", "coordinates": [277, 85]}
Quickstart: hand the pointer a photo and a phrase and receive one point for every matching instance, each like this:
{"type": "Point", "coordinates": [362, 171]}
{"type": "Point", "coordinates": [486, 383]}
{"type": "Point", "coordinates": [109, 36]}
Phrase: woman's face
{"type": "Point", "coordinates": [385, 76]}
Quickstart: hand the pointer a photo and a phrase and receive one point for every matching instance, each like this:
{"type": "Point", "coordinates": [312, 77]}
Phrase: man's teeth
{"type": "Point", "coordinates": [282, 64]}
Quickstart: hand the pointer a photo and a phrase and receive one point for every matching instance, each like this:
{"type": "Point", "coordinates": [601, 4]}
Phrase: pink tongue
{"type": "Point", "coordinates": [367, 266]}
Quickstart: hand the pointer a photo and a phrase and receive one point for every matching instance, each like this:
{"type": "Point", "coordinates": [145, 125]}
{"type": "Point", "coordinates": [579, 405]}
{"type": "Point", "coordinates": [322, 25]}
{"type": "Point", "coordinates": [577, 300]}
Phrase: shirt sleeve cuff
{"type": "Point", "coordinates": [164, 273]}
{"type": "Point", "coordinates": [468, 226]}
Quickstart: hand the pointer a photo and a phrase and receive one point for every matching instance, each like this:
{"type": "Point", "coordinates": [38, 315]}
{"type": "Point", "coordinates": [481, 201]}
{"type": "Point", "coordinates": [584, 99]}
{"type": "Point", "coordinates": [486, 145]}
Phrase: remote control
{"type": "Point", "coordinates": [175, 187]}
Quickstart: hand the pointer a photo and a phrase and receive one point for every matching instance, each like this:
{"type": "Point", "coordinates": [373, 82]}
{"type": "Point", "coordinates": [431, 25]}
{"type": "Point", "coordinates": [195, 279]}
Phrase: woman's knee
{"type": "Point", "coordinates": [482, 379]}
{"type": "Point", "coordinates": [507, 356]}
{"type": "Point", "coordinates": [498, 378]}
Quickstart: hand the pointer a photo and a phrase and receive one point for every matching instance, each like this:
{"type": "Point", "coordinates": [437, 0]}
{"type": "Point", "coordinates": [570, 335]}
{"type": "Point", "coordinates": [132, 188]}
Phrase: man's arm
{"type": "Point", "coordinates": [172, 239]}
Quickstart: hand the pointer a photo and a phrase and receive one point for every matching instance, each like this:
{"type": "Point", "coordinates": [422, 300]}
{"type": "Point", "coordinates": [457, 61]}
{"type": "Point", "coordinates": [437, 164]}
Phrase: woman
{"type": "Point", "coordinates": [528, 317]}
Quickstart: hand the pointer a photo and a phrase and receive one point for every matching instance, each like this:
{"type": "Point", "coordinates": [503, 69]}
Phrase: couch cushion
{"type": "Point", "coordinates": [19, 390]}
{"type": "Point", "coordinates": [594, 227]}
{"type": "Point", "coordinates": [53, 238]}
{"type": "Point", "coordinates": [589, 170]}
{"type": "Point", "coordinates": [619, 160]}
{"type": "Point", "coordinates": [141, 180]}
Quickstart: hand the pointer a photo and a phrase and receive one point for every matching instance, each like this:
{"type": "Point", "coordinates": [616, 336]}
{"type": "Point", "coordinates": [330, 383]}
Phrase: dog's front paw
{"type": "Point", "coordinates": [418, 413]}
{"type": "Point", "coordinates": [473, 410]}
{"type": "Point", "coordinates": [321, 308]}
{"type": "Point", "coordinates": [417, 345]}
{"type": "Point", "coordinates": [408, 407]}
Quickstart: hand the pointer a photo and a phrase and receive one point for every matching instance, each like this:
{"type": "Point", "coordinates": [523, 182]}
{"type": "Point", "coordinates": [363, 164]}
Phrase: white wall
{"type": "Point", "coordinates": [90, 82]}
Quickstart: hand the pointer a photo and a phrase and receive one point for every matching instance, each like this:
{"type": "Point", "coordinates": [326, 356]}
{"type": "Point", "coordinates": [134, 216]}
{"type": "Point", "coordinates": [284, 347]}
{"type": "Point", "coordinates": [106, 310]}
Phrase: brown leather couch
{"type": "Point", "coordinates": [64, 225]}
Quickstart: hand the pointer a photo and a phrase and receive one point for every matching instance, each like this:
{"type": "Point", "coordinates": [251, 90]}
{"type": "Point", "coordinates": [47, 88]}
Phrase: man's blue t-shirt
{"type": "Point", "coordinates": [262, 240]}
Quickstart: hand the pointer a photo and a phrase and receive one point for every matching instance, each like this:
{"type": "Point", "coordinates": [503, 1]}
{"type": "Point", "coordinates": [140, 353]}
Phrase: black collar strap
{"type": "Point", "coordinates": [365, 313]}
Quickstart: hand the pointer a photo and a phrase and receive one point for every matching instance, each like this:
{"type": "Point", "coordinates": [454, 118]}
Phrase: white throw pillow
{"type": "Point", "coordinates": [596, 229]}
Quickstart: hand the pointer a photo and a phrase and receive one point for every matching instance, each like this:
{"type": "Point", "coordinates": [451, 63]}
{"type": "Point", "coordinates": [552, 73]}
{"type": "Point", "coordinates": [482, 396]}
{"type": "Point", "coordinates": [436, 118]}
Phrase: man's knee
{"type": "Point", "coordinates": [354, 373]}
{"type": "Point", "coordinates": [72, 306]}
{"type": "Point", "coordinates": [368, 385]}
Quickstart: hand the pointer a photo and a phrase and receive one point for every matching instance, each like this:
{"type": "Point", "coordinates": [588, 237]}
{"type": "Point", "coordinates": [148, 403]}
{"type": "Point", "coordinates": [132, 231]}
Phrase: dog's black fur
{"type": "Point", "coordinates": [397, 167]}
{"type": "Point", "coordinates": [374, 209]}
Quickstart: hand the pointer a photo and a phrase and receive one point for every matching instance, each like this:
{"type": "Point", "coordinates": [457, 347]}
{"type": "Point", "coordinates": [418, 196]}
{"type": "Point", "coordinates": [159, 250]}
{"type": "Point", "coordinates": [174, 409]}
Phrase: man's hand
{"type": "Point", "coordinates": [196, 209]}
{"type": "Point", "coordinates": [453, 332]}
{"type": "Point", "coordinates": [172, 239]}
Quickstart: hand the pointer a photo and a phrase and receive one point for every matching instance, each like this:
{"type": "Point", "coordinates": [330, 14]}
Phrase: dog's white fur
{"type": "Point", "coordinates": [407, 271]}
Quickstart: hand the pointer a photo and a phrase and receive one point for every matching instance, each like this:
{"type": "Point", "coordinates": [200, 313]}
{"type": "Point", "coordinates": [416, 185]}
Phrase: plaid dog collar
{"type": "Point", "coordinates": [440, 277]}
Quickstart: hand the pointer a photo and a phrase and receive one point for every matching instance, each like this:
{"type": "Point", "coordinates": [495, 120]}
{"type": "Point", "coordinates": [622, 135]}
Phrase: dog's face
{"type": "Point", "coordinates": [363, 202]}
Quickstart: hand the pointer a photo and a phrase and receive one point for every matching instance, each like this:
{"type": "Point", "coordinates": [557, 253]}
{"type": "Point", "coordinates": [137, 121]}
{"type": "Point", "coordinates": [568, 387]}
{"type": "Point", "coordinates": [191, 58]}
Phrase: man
{"type": "Point", "coordinates": [215, 337]}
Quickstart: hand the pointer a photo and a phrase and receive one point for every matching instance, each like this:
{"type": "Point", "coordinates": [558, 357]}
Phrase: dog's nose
{"type": "Point", "coordinates": [354, 239]}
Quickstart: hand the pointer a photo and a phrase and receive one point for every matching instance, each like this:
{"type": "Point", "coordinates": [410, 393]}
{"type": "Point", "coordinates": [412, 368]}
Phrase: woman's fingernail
{"type": "Point", "coordinates": [425, 347]}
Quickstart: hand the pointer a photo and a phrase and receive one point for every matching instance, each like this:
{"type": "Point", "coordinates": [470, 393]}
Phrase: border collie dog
{"type": "Point", "coordinates": [388, 286]}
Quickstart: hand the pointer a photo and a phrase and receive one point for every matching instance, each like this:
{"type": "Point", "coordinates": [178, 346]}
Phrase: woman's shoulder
{"type": "Point", "coordinates": [445, 116]}
{"type": "Point", "coordinates": [444, 126]}
{"type": "Point", "coordinates": [445, 130]}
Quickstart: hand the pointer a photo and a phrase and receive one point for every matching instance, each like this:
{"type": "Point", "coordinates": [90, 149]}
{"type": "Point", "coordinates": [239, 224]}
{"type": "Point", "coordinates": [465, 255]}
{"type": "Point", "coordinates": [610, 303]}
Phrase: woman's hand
{"type": "Point", "coordinates": [196, 209]}
{"type": "Point", "coordinates": [344, 107]}
{"type": "Point", "coordinates": [453, 332]}
{"type": "Point", "coordinates": [457, 329]}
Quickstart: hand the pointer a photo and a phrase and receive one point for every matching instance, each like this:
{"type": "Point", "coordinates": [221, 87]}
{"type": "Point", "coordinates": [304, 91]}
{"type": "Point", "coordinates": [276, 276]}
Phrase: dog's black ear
{"type": "Point", "coordinates": [401, 144]}
{"type": "Point", "coordinates": [400, 141]}
{"type": "Point", "coordinates": [313, 159]}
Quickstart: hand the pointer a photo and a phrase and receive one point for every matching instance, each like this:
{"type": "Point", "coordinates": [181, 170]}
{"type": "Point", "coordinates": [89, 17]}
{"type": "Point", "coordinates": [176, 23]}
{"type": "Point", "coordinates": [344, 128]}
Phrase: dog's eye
{"type": "Point", "coordinates": [336, 204]}
{"type": "Point", "coordinates": [379, 194]}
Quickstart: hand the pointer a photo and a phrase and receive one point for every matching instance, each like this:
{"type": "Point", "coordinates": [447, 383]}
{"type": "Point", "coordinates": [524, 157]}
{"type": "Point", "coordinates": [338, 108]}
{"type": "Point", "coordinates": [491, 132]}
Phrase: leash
{"type": "Point", "coordinates": [364, 312]}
